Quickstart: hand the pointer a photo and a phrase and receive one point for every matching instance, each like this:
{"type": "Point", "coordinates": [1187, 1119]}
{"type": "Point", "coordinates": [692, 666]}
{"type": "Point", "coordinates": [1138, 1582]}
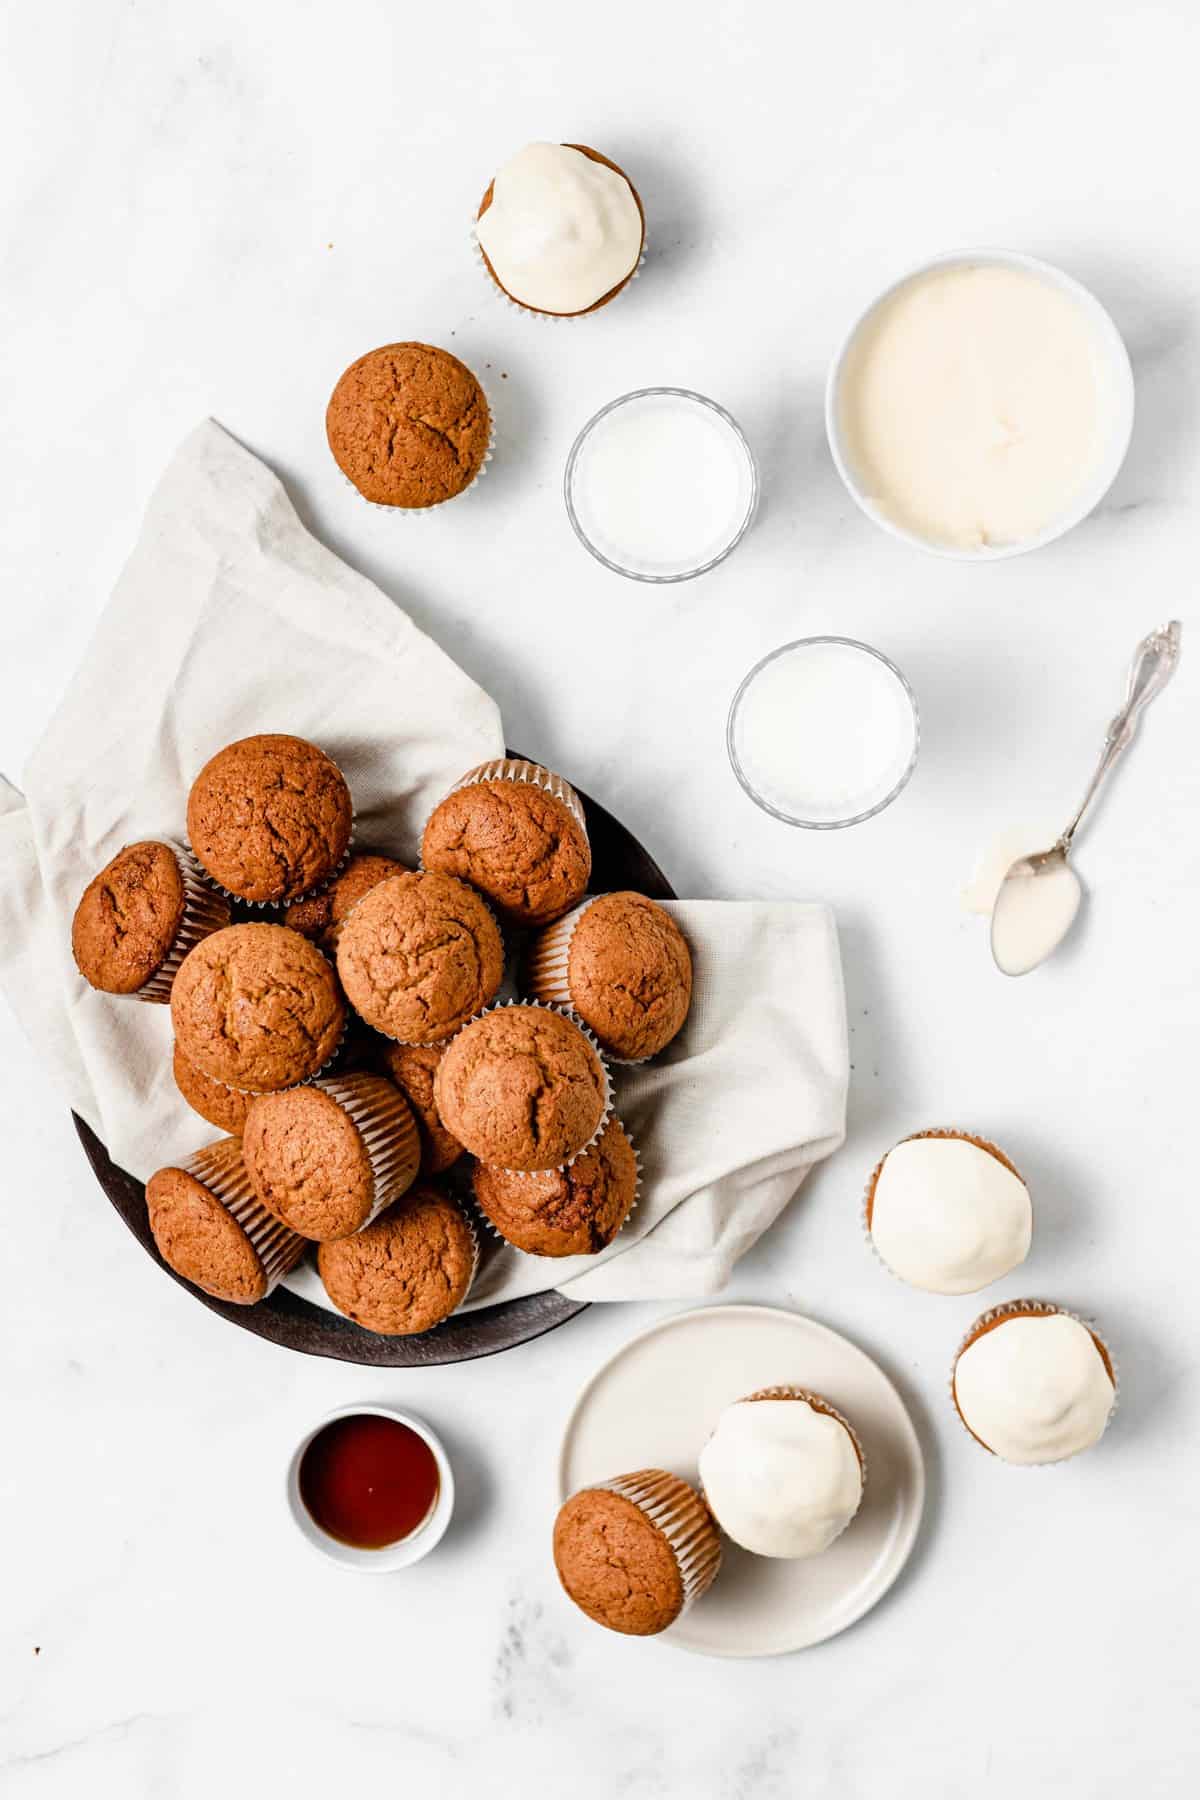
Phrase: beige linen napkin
{"type": "Point", "coordinates": [230, 618]}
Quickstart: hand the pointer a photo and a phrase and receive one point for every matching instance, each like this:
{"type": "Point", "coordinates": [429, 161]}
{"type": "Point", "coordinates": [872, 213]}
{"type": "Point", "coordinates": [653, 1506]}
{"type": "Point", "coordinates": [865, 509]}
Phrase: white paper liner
{"type": "Point", "coordinates": [684, 1520]}
{"type": "Point", "coordinates": [1035, 1309]}
{"type": "Point", "coordinates": [818, 1402]}
{"type": "Point", "coordinates": [494, 1230]}
{"type": "Point", "coordinates": [385, 1122]}
{"type": "Point", "coordinates": [978, 1139]}
{"type": "Point", "coordinates": [318, 887]}
{"type": "Point", "coordinates": [203, 913]}
{"type": "Point", "coordinates": [426, 1043]}
{"type": "Point", "coordinates": [220, 1169]}
{"type": "Point", "coordinates": [548, 318]}
{"type": "Point", "coordinates": [520, 769]}
{"type": "Point", "coordinates": [423, 512]}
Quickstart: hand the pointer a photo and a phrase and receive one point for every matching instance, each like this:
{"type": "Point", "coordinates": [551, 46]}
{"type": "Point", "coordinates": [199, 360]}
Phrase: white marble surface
{"type": "Point", "coordinates": [211, 210]}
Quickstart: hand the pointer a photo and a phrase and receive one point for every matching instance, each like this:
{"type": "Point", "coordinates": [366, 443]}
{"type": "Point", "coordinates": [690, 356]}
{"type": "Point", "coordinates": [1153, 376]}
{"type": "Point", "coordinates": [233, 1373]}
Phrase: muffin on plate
{"type": "Point", "coordinates": [634, 1552]}
{"type": "Point", "coordinates": [419, 956]}
{"type": "Point", "coordinates": [270, 818]}
{"type": "Point", "coordinates": [516, 831]}
{"type": "Point", "coordinates": [320, 916]}
{"type": "Point", "coordinates": [138, 918]}
{"type": "Point", "coordinates": [575, 1211]}
{"type": "Point", "coordinates": [210, 1228]}
{"type": "Point", "coordinates": [783, 1472]}
{"type": "Point", "coordinates": [327, 1158]}
{"type": "Point", "coordinates": [408, 1270]}
{"type": "Point", "coordinates": [409, 426]}
{"type": "Point", "coordinates": [948, 1212]}
{"type": "Point", "coordinates": [622, 964]}
{"type": "Point", "coordinates": [222, 1106]}
{"type": "Point", "coordinates": [413, 1067]}
{"type": "Point", "coordinates": [1032, 1383]}
{"type": "Point", "coordinates": [257, 1007]}
{"type": "Point", "coordinates": [561, 230]}
{"type": "Point", "coordinates": [522, 1088]}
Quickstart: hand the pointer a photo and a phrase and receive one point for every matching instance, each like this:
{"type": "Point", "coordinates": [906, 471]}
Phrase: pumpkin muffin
{"type": "Point", "coordinates": [222, 1106]}
{"type": "Point", "coordinates": [419, 956]}
{"type": "Point", "coordinates": [522, 1088]}
{"type": "Point", "coordinates": [783, 1472]}
{"type": "Point", "coordinates": [408, 1270]}
{"type": "Point", "coordinates": [210, 1228]}
{"type": "Point", "coordinates": [257, 1007]}
{"type": "Point", "coordinates": [409, 426]}
{"type": "Point", "coordinates": [139, 917]}
{"type": "Point", "coordinates": [514, 830]}
{"type": "Point", "coordinates": [588, 232]}
{"type": "Point", "coordinates": [413, 1067]}
{"type": "Point", "coordinates": [327, 1158]}
{"type": "Point", "coordinates": [1032, 1383]}
{"type": "Point", "coordinates": [947, 1212]}
{"type": "Point", "coordinates": [575, 1211]}
{"type": "Point", "coordinates": [622, 964]}
{"type": "Point", "coordinates": [319, 916]}
{"type": "Point", "coordinates": [270, 817]}
{"type": "Point", "coordinates": [634, 1552]}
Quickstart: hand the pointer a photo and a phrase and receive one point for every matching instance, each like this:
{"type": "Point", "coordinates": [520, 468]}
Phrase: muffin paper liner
{"type": "Point", "coordinates": [940, 1131]}
{"type": "Point", "coordinates": [1032, 1309]}
{"type": "Point", "coordinates": [203, 913]}
{"type": "Point", "coordinates": [388, 1128]}
{"type": "Point", "coordinates": [819, 1404]}
{"type": "Point", "coordinates": [681, 1515]}
{"type": "Point", "coordinates": [494, 1230]}
{"type": "Point", "coordinates": [546, 318]}
{"type": "Point", "coordinates": [425, 1043]}
{"type": "Point", "coordinates": [219, 1168]}
{"type": "Point", "coordinates": [423, 512]}
{"type": "Point", "coordinates": [518, 768]}
{"type": "Point", "coordinates": [318, 887]}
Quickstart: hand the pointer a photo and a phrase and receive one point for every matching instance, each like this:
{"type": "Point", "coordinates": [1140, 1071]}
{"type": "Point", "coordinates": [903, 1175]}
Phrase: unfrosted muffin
{"type": "Point", "coordinates": [575, 1211]}
{"type": "Point", "coordinates": [419, 956]}
{"type": "Point", "coordinates": [634, 1552]}
{"type": "Point", "coordinates": [1032, 1383]}
{"type": "Point", "coordinates": [561, 229]}
{"type": "Point", "coordinates": [327, 1158]}
{"type": "Point", "coordinates": [516, 831]}
{"type": "Point", "coordinates": [258, 1007]}
{"type": "Point", "coordinates": [409, 425]}
{"type": "Point", "coordinates": [413, 1067]}
{"type": "Point", "coordinates": [319, 916]}
{"type": "Point", "coordinates": [222, 1106]}
{"type": "Point", "coordinates": [138, 918]}
{"type": "Point", "coordinates": [408, 1270]}
{"type": "Point", "coordinates": [522, 1088]}
{"type": "Point", "coordinates": [622, 964]}
{"type": "Point", "coordinates": [270, 817]}
{"type": "Point", "coordinates": [783, 1473]}
{"type": "Point", "coordinates": [210, 1228]}
{"type": "Point", "coordinates": [948, 1212]}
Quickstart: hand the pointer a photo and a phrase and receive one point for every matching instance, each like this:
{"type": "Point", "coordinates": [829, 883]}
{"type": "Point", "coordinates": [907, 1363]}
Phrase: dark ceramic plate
{"type": "Point", "coordinates": [618, 861]}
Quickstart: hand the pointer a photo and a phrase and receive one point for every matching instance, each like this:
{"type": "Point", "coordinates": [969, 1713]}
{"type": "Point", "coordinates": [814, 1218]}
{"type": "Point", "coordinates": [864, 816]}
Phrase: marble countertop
{"type": "Point", "coordinates": [211, 210]}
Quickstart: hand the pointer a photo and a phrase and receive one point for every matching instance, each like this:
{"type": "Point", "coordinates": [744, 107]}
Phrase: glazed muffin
{"type": "Point", "coordinates": [257, 1007]}
{"type": "Point", "coordinates": [783, 1473]}
{"type": "Point", "coordinates": [210, 1228]}
{"type": "Point", "coordinates": [516, 832]}
{"type": "Point", "coordinates": [948, 1212]}
{"type": "Point", "coordinates": [522, 1088]}
{"type": "Point", "coordinates": [413, 1067]}
{"type": "Point", "coordinates": [409, 426]}
{"type": "Point", "coordinates": [1032, 1383]}
{"type": "Point", "coordinates": [270, 817]}
{"type": "Point", "coordinates": [138, 918]}
{"type": "Point", "coordinates": [222, 1106]}
{"type": "Point", "coordinates": [408, 1270]}
{"type": "Point", "coordinates": [319, 916]}
{"type": "Point", "coordinates": [575, 1211]}
{"type": "Point", "coordinates": [561, 229]}
{"type": "Point", "coordinates": [634, 1552]}
{"type": "Point", "coordinates": [622, 964]}
{"type": "Point", "coordinates": [419, 956]}
{"type": "Point", "coordinates": [328, 1157]}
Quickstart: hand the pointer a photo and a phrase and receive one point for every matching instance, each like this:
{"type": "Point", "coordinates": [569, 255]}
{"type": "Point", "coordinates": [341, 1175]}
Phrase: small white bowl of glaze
{"type": "Point", "coordinates": [406, 1550]}
{"type": "Point", "coordinates": [1116, 398]}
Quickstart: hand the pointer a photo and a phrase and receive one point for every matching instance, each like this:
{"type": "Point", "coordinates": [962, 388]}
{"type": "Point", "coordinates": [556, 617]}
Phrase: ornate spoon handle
{"type": "Point", "coordinates": [1153, 665]}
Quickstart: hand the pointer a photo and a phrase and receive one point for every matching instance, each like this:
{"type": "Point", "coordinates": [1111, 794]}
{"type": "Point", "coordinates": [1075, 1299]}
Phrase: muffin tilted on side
{"type": "Point", "coordinates": [419, 956]}
{"type": "Point", "coordinates": [516, 831]}
{"type": "Point", "coordinates": [211, 1229]}
{"type": "Point", "coordinates": [522, 1088]}
{"type": "Point", "coordinates": [408, 1270]}
{"type": "Point", "coordinates": [409, 426]}
{"type": "Point", "coordinates": [622, 964]}
{"type": "Point", "coordinates": [138, 918]}
{"type": "Point", "coordinates": [270, 817]}
{"type": "Point", "coordinates": [634, 1552]}
{"type": "Point", "coordinates": [1032, 1383]}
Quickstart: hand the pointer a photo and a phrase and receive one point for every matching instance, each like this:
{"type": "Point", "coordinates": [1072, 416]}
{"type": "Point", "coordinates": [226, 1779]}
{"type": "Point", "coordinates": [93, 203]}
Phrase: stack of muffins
{"type": "Point", "coordinates": [339, 1018]}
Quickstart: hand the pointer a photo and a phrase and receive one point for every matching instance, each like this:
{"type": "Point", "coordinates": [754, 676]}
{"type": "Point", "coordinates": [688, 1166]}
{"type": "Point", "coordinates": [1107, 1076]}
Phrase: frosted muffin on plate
{"type": "Point", "coordinates": [1032, 1383]}
{"type": "Point", "coordinates": [561, 230]}
{"type": "Point", "coordinates": [634, 1552]}
{"type": "Point", "coordinates": [257, 1007]}
{"type": "Point", "coordinates": [211, 1229]}
{"type": "Point", "coordinates": [270, 817]}
{"type": "Point", "coordinates": [522, 1088]}
{"type": "Point", "coordinates": [408, 1270]}
{"type": "Point", "coordinates": [138, 918]}
{"type": "Point", "coordinates": [515, 831]}
{"type": "Point", "coordinates": [948, 1212]}
{"type": "Point", "coordinates": [576, 1211]}
{"type": "Point", "coordinates": [419, 956]}
{"type": "Point", "coordinates": [622, 964]}
{"type": "Point", "coordinates": [783, 1472]}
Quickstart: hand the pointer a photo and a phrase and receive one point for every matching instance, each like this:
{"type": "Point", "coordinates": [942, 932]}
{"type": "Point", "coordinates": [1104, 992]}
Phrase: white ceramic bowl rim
{"type": "Point", "coordinates": [1107, 467]}
{"type": "Point", "coordinates": [406, 1551]}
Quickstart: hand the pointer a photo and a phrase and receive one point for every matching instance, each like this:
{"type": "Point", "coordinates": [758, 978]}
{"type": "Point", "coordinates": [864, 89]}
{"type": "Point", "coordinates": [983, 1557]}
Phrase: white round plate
{"type": "Point", "coordinates": [654, 1404]}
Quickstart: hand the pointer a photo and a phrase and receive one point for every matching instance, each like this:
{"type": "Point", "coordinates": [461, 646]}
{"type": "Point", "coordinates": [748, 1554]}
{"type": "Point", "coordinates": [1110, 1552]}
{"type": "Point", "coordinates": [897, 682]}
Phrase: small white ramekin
{"type": "Point", "coordinates": [1121, 405]}
{"type": "Point", "coordinates": [406, 1551]}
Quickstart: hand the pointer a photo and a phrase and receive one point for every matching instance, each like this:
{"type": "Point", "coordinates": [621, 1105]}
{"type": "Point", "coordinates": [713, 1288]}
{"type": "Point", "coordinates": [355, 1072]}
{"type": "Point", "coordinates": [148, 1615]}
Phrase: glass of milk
{"type": "Point", "coordinates": [661, 485]}
{"type": "Point", "coordinates": [823, 733]}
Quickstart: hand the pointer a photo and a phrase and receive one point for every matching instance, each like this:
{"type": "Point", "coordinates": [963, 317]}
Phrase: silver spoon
{"type": "Point", "coordinates": [1020, 939]}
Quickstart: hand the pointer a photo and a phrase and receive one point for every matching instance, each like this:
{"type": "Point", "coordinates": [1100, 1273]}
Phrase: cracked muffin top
{"type": "Point", "coordinates": [128, 918]}
{"type": "Point", "coordinates": [412, 1067]}
{"type": "Point", "coordinates": [616, 1565]}
{"type": "Point", "coordinates": [270, 817]}
{"type": "Point", "coordinates": [409, 425]}
{"type": "Point", "coordinates": [520, 845]}
{"type": "Point", "coordinates": [419, 956]}
{"type": "Point", "coordinates": [201, 1240]}
{"type": "Point", "coordinates": [318, 916]}
{"type": "Point", "coordinates": [257, 1007]}
{"type": "Point", "coordinates": [629, 973]}
{"type": "Point", "coordinates": [522, 1088]}
{"type": "Point", "coordinates": [564, 1212]}
{"type": "Point", "coordinates": [222, 1106]}
{"type": "Point", "coordinates": [408, 1270]}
